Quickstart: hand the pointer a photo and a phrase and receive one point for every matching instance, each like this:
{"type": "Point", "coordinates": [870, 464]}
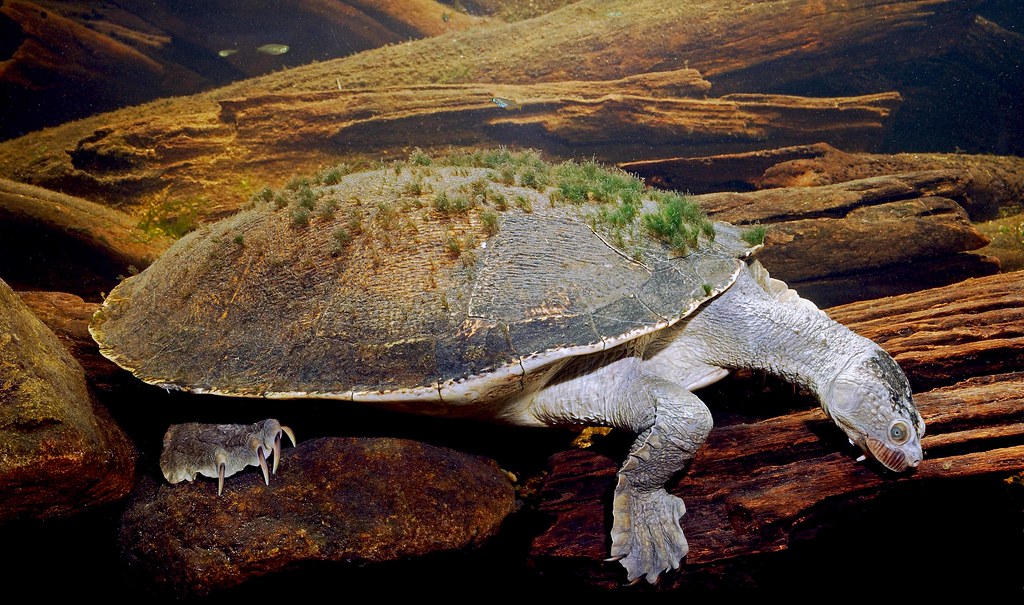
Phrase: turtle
{"type": "Point", "coordinates": [493, 285]}
{"type": "Point", "coordinates": [221, 450]}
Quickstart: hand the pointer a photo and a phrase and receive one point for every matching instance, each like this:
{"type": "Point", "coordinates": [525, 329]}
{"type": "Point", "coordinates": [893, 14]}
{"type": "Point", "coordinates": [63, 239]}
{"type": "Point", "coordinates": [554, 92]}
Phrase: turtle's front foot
{"type": "Point", "coordinates": [221, 450]}
{"type": "Point", "coordinates": [646, 536]}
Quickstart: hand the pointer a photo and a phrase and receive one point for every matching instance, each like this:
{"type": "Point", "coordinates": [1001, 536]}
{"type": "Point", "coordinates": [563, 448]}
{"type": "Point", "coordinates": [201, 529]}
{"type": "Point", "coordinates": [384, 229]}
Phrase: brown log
{"type": "Point", "coordinates": [985, 182]}
{"type": "Point", "coordinates": [53, 241]}
{"type": "Point", "coordinates": [737, 45]}
{"type": "Point", "coordinates": [915, 228]}
{"type": "Point", "coordinates": [767, 484]}
{"type": "Point", "coordinates": [757, 482]}
{"type": "Point", "coordinates": [648, 113]}
{"type": "Point", "coordinates": [557, 117]}
{"type": "Point", "coordinates": [843, 242]}
{"type": "Point", "coordinates": [68, 316]}
{"type": "Point", "coordinates": [972, 328]}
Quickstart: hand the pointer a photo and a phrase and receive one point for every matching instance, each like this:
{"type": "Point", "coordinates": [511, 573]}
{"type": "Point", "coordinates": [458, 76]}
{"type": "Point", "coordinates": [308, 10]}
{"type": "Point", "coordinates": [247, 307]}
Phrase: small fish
{"type": "Point", "coordinates": [613, 14]}
{"type": "Point", "coordinates": [273, 49]}
{"type": "Point", "coordinates": [227, 52]}
{"type": "Point", "coordinates": [506, 103]}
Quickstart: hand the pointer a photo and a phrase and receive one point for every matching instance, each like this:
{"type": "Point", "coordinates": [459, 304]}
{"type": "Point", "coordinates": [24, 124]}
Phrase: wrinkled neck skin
{"type": "Point", "coordinates": [858, 384]}
{"type": "Point", "coordinates": [746, 328]}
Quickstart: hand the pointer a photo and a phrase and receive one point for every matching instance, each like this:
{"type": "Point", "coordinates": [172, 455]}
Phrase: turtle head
{"type": "Point", "coordinates": [870, 400]}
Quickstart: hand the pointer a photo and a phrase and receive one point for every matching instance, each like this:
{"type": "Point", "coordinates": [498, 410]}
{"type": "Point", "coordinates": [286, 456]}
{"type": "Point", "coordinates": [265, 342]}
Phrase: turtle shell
{"type": "Point", "coordinates": [414, 286]}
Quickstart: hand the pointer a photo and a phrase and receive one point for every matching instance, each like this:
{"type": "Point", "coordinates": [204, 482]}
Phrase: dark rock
{"type": "Point", "coordinates": [60, 452]}
{"type": "Point", "coordinates": [332, 499]}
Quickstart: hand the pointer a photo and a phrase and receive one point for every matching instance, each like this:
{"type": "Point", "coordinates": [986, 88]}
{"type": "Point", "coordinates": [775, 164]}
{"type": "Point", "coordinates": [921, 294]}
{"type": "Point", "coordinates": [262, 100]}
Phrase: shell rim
{"type": "Point", "coordinates": [451, 391]}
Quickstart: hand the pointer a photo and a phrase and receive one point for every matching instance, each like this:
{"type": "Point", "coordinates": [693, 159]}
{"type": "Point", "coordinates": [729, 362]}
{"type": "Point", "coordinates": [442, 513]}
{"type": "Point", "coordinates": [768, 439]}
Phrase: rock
{"type": "Point", "coordinates": [53, 241]}
{"type": "Point", "coordinates": [333, 499]}
{"type": "Point", "coordinates": [60, 451]}
{"type": "Point", "coordinates": [759, 481]}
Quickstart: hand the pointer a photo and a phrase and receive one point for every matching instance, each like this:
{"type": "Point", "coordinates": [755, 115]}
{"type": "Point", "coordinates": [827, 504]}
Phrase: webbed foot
{"type": "Point", "coordinates": [646, 536]}
{"type": "Point", "coordinates": [221, 450]}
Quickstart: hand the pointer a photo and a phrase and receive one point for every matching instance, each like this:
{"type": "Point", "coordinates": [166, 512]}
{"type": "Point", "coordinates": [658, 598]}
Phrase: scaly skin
{"type": "Point", "coordinates": [645, 388]}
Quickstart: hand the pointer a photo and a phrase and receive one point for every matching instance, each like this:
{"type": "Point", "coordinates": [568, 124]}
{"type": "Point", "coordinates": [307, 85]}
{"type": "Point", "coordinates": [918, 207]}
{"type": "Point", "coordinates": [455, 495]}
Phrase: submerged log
{"type": "Point", "coordinates": [650, 113]}
{"type": "Point", "coordinates": [938, 336]}
{"type": "Point", "coordinates": [764, 482]}
{"type": "Point", "coordinates": [861, 239]}
{"type": "Point", "coordinates": [53, 241]}
{"type": "Point", "coordinates": [740, 47]}
{"type": "Point", "coordinates": [756, 483]}
{"type": "Point", "coordinates": [613, 120]}
{"type": "Point", "coordinates": [985, 182]}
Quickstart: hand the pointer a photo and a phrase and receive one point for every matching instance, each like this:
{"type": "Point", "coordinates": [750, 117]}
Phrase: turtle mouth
{"type": "Point", "coordinates": [892, 459]}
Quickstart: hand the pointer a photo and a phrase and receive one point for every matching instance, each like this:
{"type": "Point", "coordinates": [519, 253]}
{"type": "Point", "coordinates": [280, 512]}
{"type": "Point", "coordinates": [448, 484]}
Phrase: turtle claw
{"type": "Point", "coordinates": [222, 459]}
{"type": "Point", "coordinates": [221, 450]}
{"type": "Point", "coordinates": [277, 447]}
{"type": "Point", "coordinates": [261, 456]}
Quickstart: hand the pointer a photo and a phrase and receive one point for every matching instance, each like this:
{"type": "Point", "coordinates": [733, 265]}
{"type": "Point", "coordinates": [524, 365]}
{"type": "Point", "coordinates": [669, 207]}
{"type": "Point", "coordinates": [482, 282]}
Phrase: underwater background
{"type": "Point", "coordinates": [878, 141]}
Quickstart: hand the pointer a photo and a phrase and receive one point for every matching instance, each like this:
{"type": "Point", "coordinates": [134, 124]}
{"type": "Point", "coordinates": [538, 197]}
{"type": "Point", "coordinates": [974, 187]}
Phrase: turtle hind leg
{"type": "Point", "coordinates": [221, 450]}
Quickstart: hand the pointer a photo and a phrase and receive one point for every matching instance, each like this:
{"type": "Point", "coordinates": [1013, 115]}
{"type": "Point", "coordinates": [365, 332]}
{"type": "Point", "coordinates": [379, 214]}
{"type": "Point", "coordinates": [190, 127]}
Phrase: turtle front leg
{"type": "Point", "coordinates": [647, 538]}
{"type": "Point", "coordinates": [671, 423]}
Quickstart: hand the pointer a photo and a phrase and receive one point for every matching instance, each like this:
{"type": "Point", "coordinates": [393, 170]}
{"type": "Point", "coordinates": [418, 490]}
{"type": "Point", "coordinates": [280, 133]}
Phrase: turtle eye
{"type": "Point", "coordinates": [899, 432]}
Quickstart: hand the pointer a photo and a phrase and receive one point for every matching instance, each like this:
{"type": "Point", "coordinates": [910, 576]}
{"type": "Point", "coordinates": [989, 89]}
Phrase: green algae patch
{"type": "Point", "coordinates": [755, 235]}
{"type": "Point", "coordinates": [461, 199]}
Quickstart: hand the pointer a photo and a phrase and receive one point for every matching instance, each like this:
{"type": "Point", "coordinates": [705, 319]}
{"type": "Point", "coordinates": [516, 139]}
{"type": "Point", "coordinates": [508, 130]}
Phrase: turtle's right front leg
{"type": "Point", "coordinates": [671, 423]}
{"type": "Point", "coordinates": [646, 535]}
